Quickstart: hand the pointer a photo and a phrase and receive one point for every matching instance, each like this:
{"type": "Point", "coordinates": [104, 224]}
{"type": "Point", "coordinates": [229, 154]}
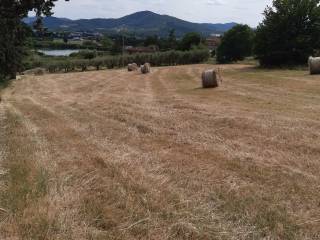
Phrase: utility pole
{"type": "Point", "coordinates": [122, 49]}
{"type": "Point", "coordinates": [122, 32]}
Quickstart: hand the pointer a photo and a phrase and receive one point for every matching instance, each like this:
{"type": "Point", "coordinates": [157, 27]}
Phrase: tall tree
{"type": "Point", "coordinates": [289, 33]}
{"type": "Point", "coordinates": [172, 39]}
{"type": "Point", "coordinates": [106, 42]}
{"type": "Point", "coordinates": [151, 40]}
{"type": "Point", "coordinates": [236, 44]}
{"type": "Point", "coordinates": [13, 32]}
{"type": "Point", "coordinates": [189, 40]}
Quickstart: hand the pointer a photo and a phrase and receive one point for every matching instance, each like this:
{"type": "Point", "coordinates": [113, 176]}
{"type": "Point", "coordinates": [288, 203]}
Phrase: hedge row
{"type": "Point", "coordinates": [157, 59]}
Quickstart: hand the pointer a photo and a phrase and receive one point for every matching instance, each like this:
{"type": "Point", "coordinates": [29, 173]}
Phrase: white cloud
{"type": "Point", "coordinates": [215, 3]}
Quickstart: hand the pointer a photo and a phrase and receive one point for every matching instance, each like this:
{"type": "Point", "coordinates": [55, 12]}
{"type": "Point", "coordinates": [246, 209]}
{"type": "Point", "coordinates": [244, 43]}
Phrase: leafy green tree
{"type": "Point", "coordinates": [190, 40]}
{"type": "Point", "coordinates": [13, 32]}
{"type": "Point", "coordinates": [151, 41]}
{"type": "Point", "coordinates": [116, 48]}
{"type": "Point", "coordinates": [236, 44]}
{"type": "Point", "coordinates": [65, 38]}
{"type": "Point", "coordinates": [106, 42]}
{"type": "Point", "coordinates": [289, 33]}
{"type": "Point", "coordinates": [172, 40]}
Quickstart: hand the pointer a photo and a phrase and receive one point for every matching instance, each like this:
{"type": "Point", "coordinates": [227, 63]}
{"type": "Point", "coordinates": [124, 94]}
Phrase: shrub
{"type": "Point", "coordinates": [81, 64]}
{"type": "Point", "coordinates": [97, 63]}
{"type": "Point", "coordinates": [52, 67]}
{"type": "Point", "coordinates": [85, 54]}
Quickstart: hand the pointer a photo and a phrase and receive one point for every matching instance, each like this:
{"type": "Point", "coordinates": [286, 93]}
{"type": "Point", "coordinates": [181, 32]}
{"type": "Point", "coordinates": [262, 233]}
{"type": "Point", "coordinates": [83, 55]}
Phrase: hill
{"type": "Point", "coordinates": [141, 23]}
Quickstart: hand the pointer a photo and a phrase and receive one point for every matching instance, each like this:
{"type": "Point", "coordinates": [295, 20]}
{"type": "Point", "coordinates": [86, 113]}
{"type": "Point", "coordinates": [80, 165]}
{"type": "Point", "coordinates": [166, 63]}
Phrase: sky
{"type": "Point", "coordinates": [200, 11]}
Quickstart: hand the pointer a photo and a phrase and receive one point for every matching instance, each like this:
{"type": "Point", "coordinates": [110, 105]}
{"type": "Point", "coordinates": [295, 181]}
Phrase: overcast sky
{"type": "Point", "coordinates": [201, 11]}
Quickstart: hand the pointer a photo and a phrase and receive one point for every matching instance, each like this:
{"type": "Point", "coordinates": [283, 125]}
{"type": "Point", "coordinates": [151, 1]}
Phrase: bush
{"type": "Point", "coordinates": [85, 54]}
{"type": "Point", "coordinates": [97, 63]}
{"type": "Point", "coordinates": [89, 44]}
{"type": "Point", "coordinates": [82, 64]}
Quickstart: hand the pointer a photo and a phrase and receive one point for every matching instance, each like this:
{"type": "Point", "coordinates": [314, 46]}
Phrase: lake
{"type": "Point", "coordinates": [57, 53]}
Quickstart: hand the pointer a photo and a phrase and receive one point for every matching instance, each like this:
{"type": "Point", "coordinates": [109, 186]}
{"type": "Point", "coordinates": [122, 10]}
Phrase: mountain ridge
{"type": "Point", "coordinates": [140, 23]}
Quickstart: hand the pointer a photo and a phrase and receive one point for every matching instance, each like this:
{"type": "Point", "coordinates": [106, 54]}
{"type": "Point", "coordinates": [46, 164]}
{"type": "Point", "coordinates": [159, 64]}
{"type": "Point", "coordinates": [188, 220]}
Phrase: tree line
{"type": "Point", "coordinates": [168, 58]}
{"type": "Point", "coordinates": [288, 35]}
{"type": "Point", "coordinates": [114, 42]}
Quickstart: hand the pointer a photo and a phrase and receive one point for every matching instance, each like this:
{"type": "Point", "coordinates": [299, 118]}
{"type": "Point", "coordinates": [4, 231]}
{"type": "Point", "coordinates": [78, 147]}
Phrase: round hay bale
{"type": "Point", "coordinates": [132, 67]}
{"type": "Point", "coordinates": [145, 68]}
{"type": "Point", "coordinates": [209, 79]}
{"type": "Point", "coordinates": [314, 65]}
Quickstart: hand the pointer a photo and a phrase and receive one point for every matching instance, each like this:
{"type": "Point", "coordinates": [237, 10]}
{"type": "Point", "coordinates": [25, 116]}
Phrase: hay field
{"type": "Point", "coordinates": [120, 155]}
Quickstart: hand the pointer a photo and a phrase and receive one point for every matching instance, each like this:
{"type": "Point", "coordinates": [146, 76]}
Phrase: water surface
{"type": "Point", "coordinates": [56, 53]}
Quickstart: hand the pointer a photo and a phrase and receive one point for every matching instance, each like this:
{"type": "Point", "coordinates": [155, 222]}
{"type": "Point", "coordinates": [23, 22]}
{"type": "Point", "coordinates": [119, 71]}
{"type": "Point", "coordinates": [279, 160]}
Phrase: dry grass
{"type": "Point", "coordinates": [118, 155]}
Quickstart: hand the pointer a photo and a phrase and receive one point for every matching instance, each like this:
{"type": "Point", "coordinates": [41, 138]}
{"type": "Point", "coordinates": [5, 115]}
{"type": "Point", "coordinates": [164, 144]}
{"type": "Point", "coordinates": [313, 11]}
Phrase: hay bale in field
{"type": "Point", "coordinates": [210, 79]}
{"type": "Point", "coordinates": [314, 65]}
{"type": "Point", "coordinates": [145, 68]}
{"type": "Point", "coordinates": [132, 67]}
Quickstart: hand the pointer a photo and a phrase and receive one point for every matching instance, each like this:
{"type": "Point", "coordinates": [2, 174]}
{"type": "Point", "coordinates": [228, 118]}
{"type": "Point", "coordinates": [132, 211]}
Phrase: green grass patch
{"type": "Point", "coordinates": [26, 185]}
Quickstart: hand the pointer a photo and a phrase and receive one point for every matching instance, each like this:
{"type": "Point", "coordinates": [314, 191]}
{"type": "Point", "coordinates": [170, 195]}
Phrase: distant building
{"type": "Point", "coordinates": [79, 36]}
{"type": "Point", "coordinates": [133, 50]}
{"type": "Point", "coordinates": [214, 41]}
